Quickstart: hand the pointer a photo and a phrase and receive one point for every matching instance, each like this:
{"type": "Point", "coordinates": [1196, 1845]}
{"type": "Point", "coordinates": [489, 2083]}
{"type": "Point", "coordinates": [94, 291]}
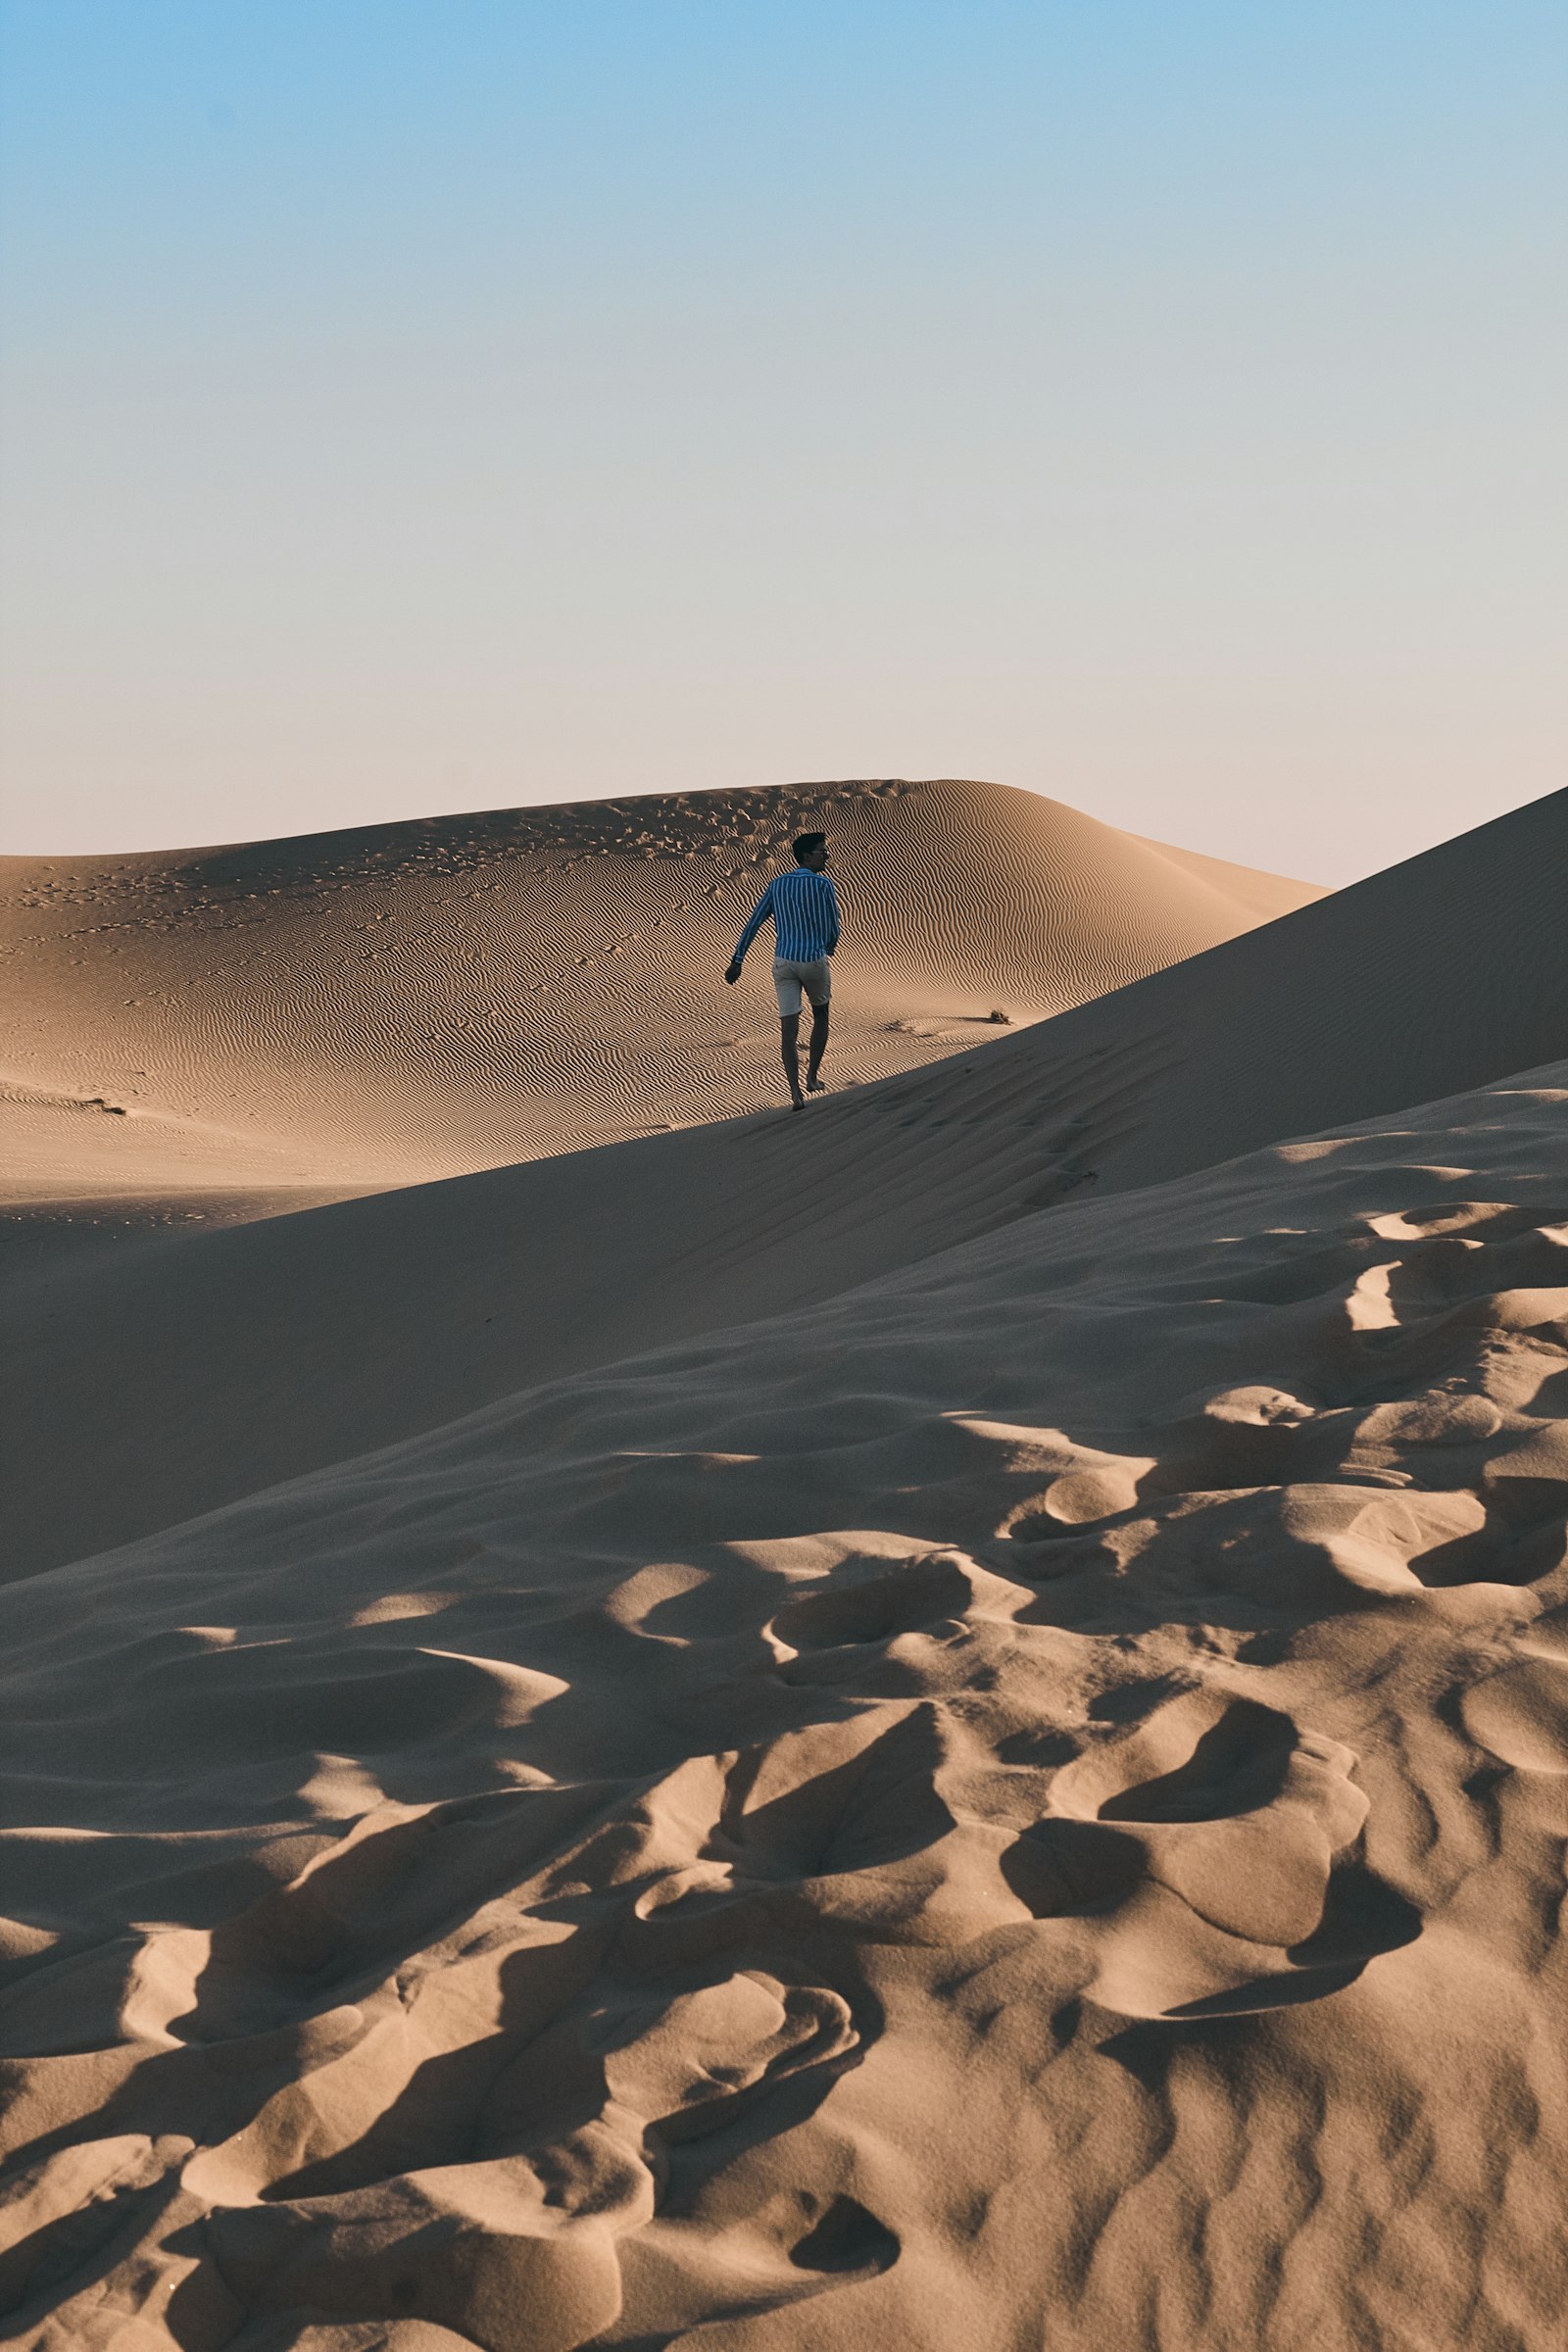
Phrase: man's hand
{"type": "Point", "coordinates": [733, 975]}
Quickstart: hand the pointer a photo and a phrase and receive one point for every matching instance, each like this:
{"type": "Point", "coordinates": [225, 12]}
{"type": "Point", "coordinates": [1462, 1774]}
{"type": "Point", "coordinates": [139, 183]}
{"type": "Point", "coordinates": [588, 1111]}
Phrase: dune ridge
{"type": "Point", "coordinates": [353, 1010]}
{"type": "Point", "coordinates": [199, 1371]}
{"type": "Point", "coordinates": [1033, 1788]}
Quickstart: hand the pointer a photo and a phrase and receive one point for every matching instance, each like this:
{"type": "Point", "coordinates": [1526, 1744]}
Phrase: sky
{"type": "Point", "coordinates": [413, 405]}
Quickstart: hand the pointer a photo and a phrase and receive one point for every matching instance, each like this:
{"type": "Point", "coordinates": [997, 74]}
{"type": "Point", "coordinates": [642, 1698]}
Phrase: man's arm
{"type": "Point", "coordinates": [833, 913]}
{"type": "Point", "coordinates": [759, 914]}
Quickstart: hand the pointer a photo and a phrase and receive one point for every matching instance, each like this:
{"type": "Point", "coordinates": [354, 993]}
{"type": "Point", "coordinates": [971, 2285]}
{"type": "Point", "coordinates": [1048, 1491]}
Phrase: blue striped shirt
{"type": "Point", "coordinates": [804, 908]}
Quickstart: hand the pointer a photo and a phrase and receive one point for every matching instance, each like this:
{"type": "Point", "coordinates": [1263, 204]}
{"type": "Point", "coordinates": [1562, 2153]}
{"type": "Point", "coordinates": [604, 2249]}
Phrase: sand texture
{"type": "Point", "coordinates": [1022, 1805]}
{"type": "Point", "coordinates": [181, 1374]}
{"type": "Point", "coordinates": [205, 1036]}
{"type": "Point", "coordinates": [935, 1726]}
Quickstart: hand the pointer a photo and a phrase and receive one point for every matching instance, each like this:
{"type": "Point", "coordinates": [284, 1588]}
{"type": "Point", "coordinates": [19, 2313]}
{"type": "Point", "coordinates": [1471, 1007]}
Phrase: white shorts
{"type": "Point", "coordinates": [816, 978]}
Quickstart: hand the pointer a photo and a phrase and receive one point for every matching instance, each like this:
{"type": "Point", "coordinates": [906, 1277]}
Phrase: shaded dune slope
{"type": "Point", "coordinates": [1033, 1788]}
{"type": "Point", "coordinates": [191, 1373]}
{"type": "Point", "coordinates": [407, 1002]}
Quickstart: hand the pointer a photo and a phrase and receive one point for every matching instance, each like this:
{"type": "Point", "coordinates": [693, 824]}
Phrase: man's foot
{"type": "Point", "coordinates": [796, 1099]}
{"type": "Point", "coordinates": [816, 1086]}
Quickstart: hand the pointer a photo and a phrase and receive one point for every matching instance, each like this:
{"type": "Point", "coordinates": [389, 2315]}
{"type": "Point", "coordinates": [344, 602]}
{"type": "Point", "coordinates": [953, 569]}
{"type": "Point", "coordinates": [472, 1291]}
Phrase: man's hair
{"type": "Point", "coordinates": [806, 843]}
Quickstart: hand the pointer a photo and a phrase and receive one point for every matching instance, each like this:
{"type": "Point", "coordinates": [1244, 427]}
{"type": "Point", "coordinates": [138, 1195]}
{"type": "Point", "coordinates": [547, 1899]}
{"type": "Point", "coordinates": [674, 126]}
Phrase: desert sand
{"type": "Point", "coordinates": [970, 1753]}
{"type": "Point", "coordinates": [148, 998]}
{"type": "Point", "coordinates": [181, 1374]}
{"type": "Point", "coordinates": [211, 1035]}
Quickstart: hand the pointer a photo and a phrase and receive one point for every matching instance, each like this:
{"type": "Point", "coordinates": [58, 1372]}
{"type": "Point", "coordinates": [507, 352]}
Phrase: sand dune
{"type": "Point", "coordinates": [1026, 1797]}
{"type": "Point", "coordinates": [1021, 1794]}
{"type": "Point", "coordinates": [201, 1037]}
{"type": "Point", "coordinates": [184, 1375]}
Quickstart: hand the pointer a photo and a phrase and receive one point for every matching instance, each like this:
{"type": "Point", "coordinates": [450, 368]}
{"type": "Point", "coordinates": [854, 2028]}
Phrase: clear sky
{"type": "Point", "coordinates": [423, 405]}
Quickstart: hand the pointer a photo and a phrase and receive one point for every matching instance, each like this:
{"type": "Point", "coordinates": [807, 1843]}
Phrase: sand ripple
{"type": "Point", "coordinates": [1033, 1789]}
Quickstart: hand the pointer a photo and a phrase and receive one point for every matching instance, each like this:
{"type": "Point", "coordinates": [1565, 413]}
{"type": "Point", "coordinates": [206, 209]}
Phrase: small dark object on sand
{"type": "Point", "coordinates": [1003, 1020]}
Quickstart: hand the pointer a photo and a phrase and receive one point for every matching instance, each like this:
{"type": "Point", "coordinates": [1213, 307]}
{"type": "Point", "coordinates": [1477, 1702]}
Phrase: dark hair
{"type": "Point", "coordinates": [806, 843]}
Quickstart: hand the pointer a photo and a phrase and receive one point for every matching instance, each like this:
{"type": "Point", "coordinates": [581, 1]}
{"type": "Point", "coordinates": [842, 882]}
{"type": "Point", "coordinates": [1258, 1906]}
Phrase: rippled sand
{"type": "Point", "coordinates": [1033, 1788]}
{"type": "Point", "coordinates": [1015, 1798]}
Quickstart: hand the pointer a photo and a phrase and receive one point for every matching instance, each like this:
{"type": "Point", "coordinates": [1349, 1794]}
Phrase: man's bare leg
{"type": "Point", "coordinates": [790, 1041]}
{"type": "Point", "coordinates": [813, 1059]}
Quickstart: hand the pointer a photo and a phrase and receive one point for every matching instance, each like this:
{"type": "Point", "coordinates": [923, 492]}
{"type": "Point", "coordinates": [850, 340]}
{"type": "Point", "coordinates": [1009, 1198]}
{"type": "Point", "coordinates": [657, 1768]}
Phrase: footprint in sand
{"type": "Point", "coordinates": [684, 2069]}
{"type": "Point", "coordinates": [917, 1594]}
{"type": "Point", "coordinates": [57, 2212]}
{"type": "Point", "coordinates": [1215, 1844]}
{"type": "Point", "coordinates": [503, 2254]}
{"type": "Point", "coordinates": [520, 2244]}
{"type": "Point", "coordinates": [796, 2243]}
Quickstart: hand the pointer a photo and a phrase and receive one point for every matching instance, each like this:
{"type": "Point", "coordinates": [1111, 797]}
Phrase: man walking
{"type": "Point", "coordinates": [804, 909]}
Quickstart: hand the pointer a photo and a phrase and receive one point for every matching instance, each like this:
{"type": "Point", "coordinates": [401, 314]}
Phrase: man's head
{"type": "Point", "coordinates": [811, 849]}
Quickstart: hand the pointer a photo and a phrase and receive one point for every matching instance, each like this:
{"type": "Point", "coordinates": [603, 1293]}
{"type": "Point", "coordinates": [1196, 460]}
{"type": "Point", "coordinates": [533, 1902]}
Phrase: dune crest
{"type": "Point", "coordinates": [173, 1378]}
{"type": "Point", "coordinates": [1033, 1786]}
{"type": "Point", "coordinates": [198, 1035]}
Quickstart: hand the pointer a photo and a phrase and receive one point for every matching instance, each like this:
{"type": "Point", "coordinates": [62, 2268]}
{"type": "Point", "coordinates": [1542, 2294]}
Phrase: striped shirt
{"type": "Point", "coordinates": [804, 908]}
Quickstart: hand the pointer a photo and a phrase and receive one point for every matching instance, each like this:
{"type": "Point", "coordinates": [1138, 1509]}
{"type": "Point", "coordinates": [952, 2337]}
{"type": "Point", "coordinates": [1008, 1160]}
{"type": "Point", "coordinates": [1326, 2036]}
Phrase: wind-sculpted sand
{"type": "Point", "coordinates": [206, 1036]}
{"type": "Point", "coordinates": [1022, 1805]}
{"type": "Point", "coordinates": [177, 1374]}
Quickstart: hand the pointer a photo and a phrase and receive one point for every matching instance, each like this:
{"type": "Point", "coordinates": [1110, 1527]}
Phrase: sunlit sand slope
{"type": "Point", "coordinates": [405, 1001]}
{"type": "Point", "coordinates": [143, 1391]}
{"type": "Point", "coordinates": [1035, 1788]}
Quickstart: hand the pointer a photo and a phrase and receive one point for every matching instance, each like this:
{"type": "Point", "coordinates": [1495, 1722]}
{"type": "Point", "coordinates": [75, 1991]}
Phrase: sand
{"type": "Point", "coordinates": [183, 1373]}
{"type": "Point", "coordinates": [1014, 1800]}
{"type": "Point", "coordinates": [208, 1036]}
{"type": "Point", "coordinates": [1022, 1805]}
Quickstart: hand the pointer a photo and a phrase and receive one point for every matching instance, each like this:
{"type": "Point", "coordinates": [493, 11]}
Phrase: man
{"type": "Point", "coordinates": [804, 909]}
